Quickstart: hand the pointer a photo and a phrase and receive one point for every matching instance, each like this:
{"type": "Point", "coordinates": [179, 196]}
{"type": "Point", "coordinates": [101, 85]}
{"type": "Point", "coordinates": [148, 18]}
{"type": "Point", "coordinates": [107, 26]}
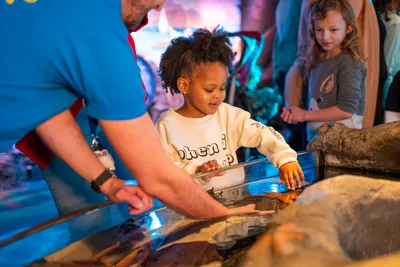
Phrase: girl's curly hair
{"type": "Point", "coordinates": [184, 54]}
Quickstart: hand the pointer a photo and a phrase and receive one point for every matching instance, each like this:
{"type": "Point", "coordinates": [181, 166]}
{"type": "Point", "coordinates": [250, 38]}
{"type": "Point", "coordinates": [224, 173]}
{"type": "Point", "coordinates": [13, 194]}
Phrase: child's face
{"type": "Point", "coordinates": [206, 90]}
{"type": "Point", "coordinates": [331, 31]}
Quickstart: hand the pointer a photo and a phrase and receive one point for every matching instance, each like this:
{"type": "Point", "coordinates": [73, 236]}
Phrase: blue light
{"type": "Point", "coordinates": [155, 222]}
{"type": "Point", "coordinates": [131, 182]}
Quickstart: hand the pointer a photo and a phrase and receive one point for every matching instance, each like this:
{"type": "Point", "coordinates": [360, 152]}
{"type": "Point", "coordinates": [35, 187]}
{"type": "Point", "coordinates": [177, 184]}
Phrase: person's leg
{"type": "Point", "coordinates": [383, 72]}
{"type": "Point", "coordinates": [392, 110]}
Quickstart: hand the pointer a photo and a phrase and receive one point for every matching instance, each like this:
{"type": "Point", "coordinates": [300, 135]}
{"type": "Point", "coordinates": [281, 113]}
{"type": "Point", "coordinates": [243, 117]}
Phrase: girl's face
{"type": "Point", "coordinates": [206, 90]}
{"type": "Point", "coordinates": [331, 32]}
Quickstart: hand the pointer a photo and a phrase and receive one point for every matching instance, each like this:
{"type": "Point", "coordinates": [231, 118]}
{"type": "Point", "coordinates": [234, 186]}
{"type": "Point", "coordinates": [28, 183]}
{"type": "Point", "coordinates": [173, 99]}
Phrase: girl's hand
{"type": "Point", "coordinates": [285, 114]}
{"type": "Point", "coordinates": [289, 171]}
{"type": "Point", "coordinates": [212, 165]}
{"type": "Point", "coordinates": [297, 115]}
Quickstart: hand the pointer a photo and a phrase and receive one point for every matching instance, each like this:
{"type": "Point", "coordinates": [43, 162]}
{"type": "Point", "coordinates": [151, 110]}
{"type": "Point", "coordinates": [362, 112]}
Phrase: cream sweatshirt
{"type": "Point", "coordinates": [191, 142]}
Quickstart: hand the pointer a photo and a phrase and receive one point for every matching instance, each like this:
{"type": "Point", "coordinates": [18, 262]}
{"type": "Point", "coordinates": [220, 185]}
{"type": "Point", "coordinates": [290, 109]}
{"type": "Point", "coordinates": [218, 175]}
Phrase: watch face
{"type": "Point", "coordinates": [148, 78]}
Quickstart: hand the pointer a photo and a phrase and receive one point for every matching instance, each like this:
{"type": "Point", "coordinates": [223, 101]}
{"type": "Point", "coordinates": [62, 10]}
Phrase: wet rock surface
{"type": "Point", "coordinates": [230, 241]}
{"type": "Point", "coordinates": [376, 148]}
{"type": "Point", "coordinates": [333, 223]}
{"type": "Point", "coordinates": [187, 254]}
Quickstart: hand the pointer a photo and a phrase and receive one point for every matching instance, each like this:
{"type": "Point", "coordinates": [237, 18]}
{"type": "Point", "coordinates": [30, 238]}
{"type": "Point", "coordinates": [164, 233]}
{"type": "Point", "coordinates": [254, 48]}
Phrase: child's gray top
{"type": "Point", "coordinates": [338, 81]}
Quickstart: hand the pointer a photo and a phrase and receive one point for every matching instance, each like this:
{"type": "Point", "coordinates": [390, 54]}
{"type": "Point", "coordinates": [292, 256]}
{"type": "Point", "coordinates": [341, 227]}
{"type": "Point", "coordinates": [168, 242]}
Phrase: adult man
{"type": "Point", "coordinates": [70, 192]}
{"type": "Point", "coordinates": [54, 51]}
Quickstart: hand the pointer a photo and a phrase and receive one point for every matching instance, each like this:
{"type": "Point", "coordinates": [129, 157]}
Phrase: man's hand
{"type": "Point", "coordinates": [117, 191]}
{"type": "Point", "coordinates": [211, 165]}
{"type": "Point", "coordinates": [288, 171]}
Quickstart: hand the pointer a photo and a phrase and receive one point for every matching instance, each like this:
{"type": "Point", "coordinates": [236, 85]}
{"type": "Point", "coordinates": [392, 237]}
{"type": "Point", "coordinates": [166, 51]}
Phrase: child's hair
{"type": "Point", "coordinates": [386, 6]}
{"type": "Point", "coordinates": [184, 54]}
{"type": "Point", "coordinates": [350, 43]}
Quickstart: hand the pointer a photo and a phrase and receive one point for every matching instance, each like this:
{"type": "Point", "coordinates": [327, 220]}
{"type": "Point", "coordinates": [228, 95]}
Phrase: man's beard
{"type": "Point", "coordinates": [133, 22]}
{"type": "Point", "coordinates": [136, 15]}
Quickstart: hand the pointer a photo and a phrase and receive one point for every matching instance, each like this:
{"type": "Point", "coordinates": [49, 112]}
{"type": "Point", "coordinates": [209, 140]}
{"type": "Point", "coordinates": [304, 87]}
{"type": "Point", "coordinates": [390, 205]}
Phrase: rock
{"type": "Point", "coordinates": [376, 148]}
{"type": "Point", "coordinates": [332, 223]}
{"type": "Point", "coordinates": [185, 254]}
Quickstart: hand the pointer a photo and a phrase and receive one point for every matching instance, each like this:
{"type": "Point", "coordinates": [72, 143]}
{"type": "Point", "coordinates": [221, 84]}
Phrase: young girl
{"type": "Point", "coordinates": [336, 69]}
{"type": "Point", "coordinates": [204, 133]}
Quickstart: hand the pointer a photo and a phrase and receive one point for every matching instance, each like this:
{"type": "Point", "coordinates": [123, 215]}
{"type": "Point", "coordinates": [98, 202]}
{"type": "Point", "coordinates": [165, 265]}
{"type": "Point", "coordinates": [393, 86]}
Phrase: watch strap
{"type": "Point", "coordinates": [101, 179]}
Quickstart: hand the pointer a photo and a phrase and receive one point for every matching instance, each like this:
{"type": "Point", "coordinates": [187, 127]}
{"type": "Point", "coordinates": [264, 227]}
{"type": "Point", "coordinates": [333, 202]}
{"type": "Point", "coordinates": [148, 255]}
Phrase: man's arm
{"type": "Point", "coordinates": [137, 144]}
{"type": "Point", "coordinates": [64, 137]}
{"type": "Point", "coordinates": [58, 133]}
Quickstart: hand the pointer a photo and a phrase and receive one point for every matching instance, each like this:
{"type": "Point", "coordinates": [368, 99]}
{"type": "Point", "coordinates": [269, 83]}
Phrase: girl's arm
{"type": "Point", "coordinates": [328, 114]}
{"type": "Point", "coordinates": [294, 86]}
{"type": "Point", "coordinates": [246, 132]}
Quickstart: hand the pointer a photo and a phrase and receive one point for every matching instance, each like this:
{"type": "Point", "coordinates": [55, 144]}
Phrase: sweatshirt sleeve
{"type": "Point", "coordinates": [189, 167]}
{"type": "Point", "coordinates": [250, 133]}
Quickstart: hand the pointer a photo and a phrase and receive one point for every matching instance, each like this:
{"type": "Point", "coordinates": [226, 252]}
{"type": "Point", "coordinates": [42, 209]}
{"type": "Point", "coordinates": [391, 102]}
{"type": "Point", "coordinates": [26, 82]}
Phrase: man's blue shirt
{"type": "Point", "coordinates": [53, 51]}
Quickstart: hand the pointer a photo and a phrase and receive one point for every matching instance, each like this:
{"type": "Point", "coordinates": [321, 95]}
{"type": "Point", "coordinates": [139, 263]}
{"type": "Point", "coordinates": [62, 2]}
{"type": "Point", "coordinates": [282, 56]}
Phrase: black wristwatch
{"type": "Point", "coordinates": [103, 177]}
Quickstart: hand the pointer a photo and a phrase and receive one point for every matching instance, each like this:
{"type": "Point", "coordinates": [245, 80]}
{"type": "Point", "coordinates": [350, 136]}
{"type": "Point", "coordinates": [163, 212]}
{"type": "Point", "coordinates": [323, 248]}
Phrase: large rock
{"type": "Point", "coordinates": [333, 223]}
{"type": "Point", "coordinates": [376, 148]}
